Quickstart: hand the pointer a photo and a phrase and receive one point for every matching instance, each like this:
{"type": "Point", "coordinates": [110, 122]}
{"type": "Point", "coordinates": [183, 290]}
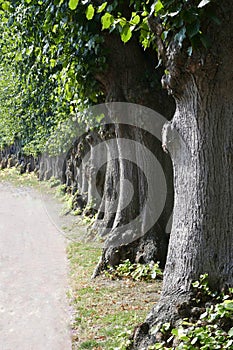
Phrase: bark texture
{"type": "Point", "coordinates": [13, 155]}
{"type": "Point", "coordinates": [200, 141]}
{"type": "Point", "coordinates": [131, 77]}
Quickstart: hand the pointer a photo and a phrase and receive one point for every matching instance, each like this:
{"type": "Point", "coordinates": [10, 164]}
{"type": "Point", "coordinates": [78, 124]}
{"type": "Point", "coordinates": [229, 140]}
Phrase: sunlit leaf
{"type": "Point", "coordinates": [107, 20]}
{"type": "Point", "coordinates": [203, 3]}
{"type": "Point", "coordinates": [158, 6]}
{"type": "Point", "coordinates": [90, 12]}
{"type": "Point", "coordinates": [6, 5]}
{"type": "Point", "coordinates": [135, 20]}
{"type": "Point", "coordinates": [73, 4]}
{"type": "Point", "coordinates": [190, 50]}
{"type": "Point", "coordinates": [126, 33]}
{"type": "Point", "coordinates": [102, 7]}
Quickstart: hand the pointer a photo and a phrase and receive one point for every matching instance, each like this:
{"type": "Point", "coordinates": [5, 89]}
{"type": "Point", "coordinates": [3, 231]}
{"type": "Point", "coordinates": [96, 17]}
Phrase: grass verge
{"type": "Point", "coordinates": [105, 312]}
{"type": "Point", "coordinates": [13, 176]}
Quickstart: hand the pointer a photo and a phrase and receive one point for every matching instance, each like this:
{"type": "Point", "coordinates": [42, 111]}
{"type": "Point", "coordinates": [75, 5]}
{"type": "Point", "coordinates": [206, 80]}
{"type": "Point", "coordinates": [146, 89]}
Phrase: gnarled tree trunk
{"type": "Point", "coordinates": [200, 141]}
{"type": "Point", "coordinates": [131, 77]}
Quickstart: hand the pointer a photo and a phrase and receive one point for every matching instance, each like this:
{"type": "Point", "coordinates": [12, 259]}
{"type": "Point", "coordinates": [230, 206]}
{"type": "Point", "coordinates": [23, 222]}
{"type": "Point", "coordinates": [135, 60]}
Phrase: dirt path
{"type": "Point", "coordinates": [33, 275]}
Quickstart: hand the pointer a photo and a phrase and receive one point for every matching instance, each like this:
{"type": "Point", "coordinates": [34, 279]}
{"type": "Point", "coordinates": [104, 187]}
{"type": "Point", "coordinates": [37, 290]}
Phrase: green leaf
{"type": "Point", "coordinates": [184, 337]}
{"type": "Point", "coordinates": [135, 20]}
{"type": "Point", "coordinates": [107, 20]}
{"type": "Point", "coordinates": [102, 7]}
{"type": "Point", "coordinates": [228, 304]}
{"type": "Point", "coordinates": [158, 6]}
{"type": "Point", "coordinates": [193, 28]}
{"type": "Point", "coordinates": [73, 4]}
{"type": "Point", "coordinates": [90, 12]}
{"type": "Point", "coordinates": [216, 20]}
{"type": "Point", "coordinates": [190, 15]}
{"type": "Point", "coordinates": [144, 14]}
{"type": "Point", "coordinates": [212, 15]}
{"type": "Point", "coordinates": [99, 117]}
{"type": "Point", "coordinates": [194, 340]}
{"type": "Point", "coordinates": [205, 41]}
{"type": "Point", "coordinates": [230, 332]}
{"type": "Point", "coordinates": [6, 5]}
{"type": "Point", "coordinates": [228, 344]}
{"type": "Point", "coordinates": [166, 326]}
{"type": "Point", "coordinates": [204, 315]}
{"type": "Point", "coordinates": [175, 332]}
{"type": "Point", "coordinates": [203, 3]}
{"type": "Point", "coordinates": [126, 33]}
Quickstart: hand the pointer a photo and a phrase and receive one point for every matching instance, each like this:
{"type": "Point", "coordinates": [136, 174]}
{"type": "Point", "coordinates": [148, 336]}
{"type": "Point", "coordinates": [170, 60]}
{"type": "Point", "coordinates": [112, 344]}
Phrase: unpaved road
{"type": "Point", "coordinates": [33, 275]}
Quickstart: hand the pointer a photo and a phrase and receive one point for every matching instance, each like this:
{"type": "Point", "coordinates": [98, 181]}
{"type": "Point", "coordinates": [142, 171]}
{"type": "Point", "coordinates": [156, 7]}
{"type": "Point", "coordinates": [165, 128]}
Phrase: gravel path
{"type": "Point", "coordinates": [33, 275]}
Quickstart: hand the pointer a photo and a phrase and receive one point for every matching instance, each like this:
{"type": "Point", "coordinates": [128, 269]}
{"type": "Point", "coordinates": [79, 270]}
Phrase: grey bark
{"type": "Point", "coordinates": [131, 77]}
{"type": "Point", "coordinates": [109, 202]}
{"type": "Point", "coordinates": [200, 141]}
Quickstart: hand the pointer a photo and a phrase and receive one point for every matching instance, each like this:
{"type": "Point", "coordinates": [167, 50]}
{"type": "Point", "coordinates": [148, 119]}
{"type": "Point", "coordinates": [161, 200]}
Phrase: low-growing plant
{"type": "Point", "coordinates": [105, 313]}
{"type": "Point", "coordinates": [13, 176]}
{"type": "Point", "coordinates": [89, 220]}
{"type": "Point", "coordinates": [77, 212]}
{"type": "Point", "coordinates": [135, 271]}
{"type": "Point", "coordinates": [201, 288]}
{"type": "Point", "coordinates": [212, 330]}
{"type": "Point", "coordinates": [125, 339]}
{"type": "Point", "coordinates": [53, 182]}
{"type": "Point", "coordinates": [60, 190]}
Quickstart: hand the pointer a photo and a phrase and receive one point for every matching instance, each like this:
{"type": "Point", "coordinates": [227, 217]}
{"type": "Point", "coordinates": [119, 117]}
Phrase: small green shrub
{"type": "Point", "coordinates": [53, 182]}
{"type": "Point", "coordinates": [60, 191]}
{"type": "Point", "coordinates": [135, 271]}
{"type": "Point", "coordinates": [212, 330]}
{"type": "Point", "coordinates": [89, 344]}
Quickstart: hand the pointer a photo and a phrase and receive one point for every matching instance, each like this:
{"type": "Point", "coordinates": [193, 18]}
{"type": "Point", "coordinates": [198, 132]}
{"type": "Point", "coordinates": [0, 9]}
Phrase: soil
{"type": "Point", "coordinates": [34, 312]}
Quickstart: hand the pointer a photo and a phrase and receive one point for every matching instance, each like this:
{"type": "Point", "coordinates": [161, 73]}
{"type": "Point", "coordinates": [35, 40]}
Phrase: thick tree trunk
{"type": "Point", "coordinates": [200, 141]}
{"type": "Point", "coordinates": [138, 231]}
{"type": "Point", "coordinates": [203, 212]}
{"type": "Point", "coordinates": [108, 206]}
{"type": "Point", "coordinates": [93, 161]}
{"type": "Point", "coordinates": [131, 77]}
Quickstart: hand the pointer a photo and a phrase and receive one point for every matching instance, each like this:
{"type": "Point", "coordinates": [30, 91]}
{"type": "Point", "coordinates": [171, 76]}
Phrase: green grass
{"type": "Point", "coordinates": [13, 176]}
{"type": "Point", "coordinates": [105, 312]}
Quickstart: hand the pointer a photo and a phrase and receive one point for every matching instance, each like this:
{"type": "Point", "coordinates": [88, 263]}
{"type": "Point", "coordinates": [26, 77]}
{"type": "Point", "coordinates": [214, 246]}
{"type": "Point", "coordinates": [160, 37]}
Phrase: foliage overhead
{"type": "Point", "coordinates": [54, 51]}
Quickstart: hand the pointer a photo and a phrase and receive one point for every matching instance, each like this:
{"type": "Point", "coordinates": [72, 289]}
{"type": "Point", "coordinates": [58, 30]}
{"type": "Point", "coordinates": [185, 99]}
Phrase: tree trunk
{"type": "Point", "coordinates": [94, 161]}
{"type": "Point", "coordinates": [200, 141]}
{"type": "Point", "coordinates": [138, 231]}
{"type": "Point", "coordinates": [131, 77]}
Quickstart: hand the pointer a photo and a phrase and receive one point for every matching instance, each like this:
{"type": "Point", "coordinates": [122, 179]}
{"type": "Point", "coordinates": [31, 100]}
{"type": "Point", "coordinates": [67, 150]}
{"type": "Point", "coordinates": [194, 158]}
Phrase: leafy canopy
{"type": "Point", "coordinates": [53, 51]}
